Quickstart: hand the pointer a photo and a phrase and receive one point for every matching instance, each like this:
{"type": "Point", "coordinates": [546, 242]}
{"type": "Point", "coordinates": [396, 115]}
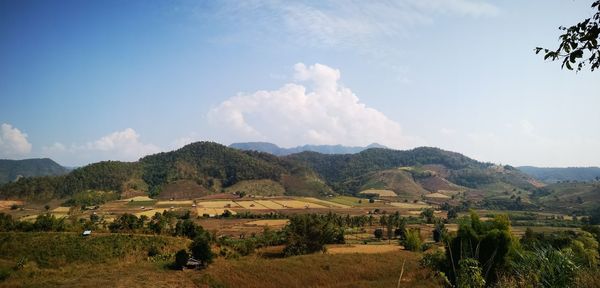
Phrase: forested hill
{"type": "Point", "coordinates": [10, 170]}
{"type": "Point", "coordinates": [347, 172]}
{"type": "Point", "coordinates": [324, 149]}
{"type": "Point", "coordinates": [553, 175]}
{"type": "Point", "coordinates": [204, 168]}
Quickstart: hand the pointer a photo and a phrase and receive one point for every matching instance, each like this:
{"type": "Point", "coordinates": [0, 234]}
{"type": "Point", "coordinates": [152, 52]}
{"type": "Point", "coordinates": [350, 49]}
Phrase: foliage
{"type": "Point", "coordinates": [201, 251]}
{"type": "Point", "coordinates": [578, 44]}
{"type": "Point", "coordinates": [181, 259]}
{"type": "Point", "coordinates": [469, 274]}
{"type": "Point", "coordinates": [308, 233]}
{"type": "Point", "coordinates": [54, 249]}
{"type": "Point", "coordinates": [413, 241]}
{"type": "Point", "coordinates": [91, 198]}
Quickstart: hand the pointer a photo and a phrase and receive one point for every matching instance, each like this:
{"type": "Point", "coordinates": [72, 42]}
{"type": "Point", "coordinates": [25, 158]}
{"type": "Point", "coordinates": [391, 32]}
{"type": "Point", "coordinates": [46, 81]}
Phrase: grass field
{"type": "Point", "coordinates": [319, 270]}
{"type": "Point", "coordinates": [410, 205]}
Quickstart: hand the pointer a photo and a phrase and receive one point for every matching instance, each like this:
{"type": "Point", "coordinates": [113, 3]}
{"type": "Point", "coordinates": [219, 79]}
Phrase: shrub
{"type": "Point", "coordinates": [378, 233]}
{"type": "Point", "coordinates": [181, 259]}
{"type": "Point", "coordinates": [413, 241]}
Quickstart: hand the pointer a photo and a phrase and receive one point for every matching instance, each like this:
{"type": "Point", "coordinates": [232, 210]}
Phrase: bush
{"type": "Point", "coordinates": [4, 273]}
{"type": "Point", "coordinates": [413, 241]}
{"type": "Point", "coordinates": [469, 274]}
{"type": "Point", "coordinates": [378, 233]}
{"type": "Point", "coordinates": [181, 259]}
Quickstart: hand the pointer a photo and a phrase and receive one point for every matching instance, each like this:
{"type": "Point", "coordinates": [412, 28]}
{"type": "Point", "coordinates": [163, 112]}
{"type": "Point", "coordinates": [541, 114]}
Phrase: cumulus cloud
{"type": "Point", "coordinates": [13, 142]}
{"type": "Point", "coordinates": [122, 145]}
{"type": "Point", "coordinates": [321, 112]}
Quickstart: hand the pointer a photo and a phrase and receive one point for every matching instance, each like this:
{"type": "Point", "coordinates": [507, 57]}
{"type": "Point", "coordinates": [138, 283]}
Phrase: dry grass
{"type": "Point", "coordinates": [319, 270]}
{"type": "Point", "coordinates": [61, 210]}
{"type": "Point", "coordinates": [297, 204]}
{"type": "Point", "coordinates": [324, 202]}
{"type": "Point", "coordinates": [150, 213]}
{"type": "Point", "coordinates": [381, 193]}
{"type": "Point", "coordinates": [251, 205]}
{"type": "Point", "coordinates": [269, 204]}
{"type": "Point", "coordinates": [217, 204]}
{"type": "Point", "coordinates": [410, 205]}
{"type": "Point", "coordinates": [437, 195]}
{"type": "Point", "coordinates": [272, 222]}
{"type": "Point", "coordinates": [212, 211]}
{"type": "Point", "coordinates": [175, 203]}
{"type": "Point", "coordinates": [362, 249]}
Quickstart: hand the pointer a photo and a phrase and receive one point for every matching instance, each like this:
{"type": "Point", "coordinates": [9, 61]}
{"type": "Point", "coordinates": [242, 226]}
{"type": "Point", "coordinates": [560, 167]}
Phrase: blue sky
{"type": "Point", "coordinates": [83, 81]}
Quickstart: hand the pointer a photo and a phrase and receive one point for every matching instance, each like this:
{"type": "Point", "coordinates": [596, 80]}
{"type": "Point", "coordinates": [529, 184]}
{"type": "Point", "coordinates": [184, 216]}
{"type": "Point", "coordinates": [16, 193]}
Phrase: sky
{"type": "Point", "coordinates": [85, 81]}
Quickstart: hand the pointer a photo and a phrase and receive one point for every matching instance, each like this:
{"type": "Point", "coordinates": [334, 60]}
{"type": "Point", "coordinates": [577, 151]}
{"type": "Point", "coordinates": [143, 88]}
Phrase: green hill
{"type": "Point", "coordinates": [11, 170]}
{"type": "Point", "coordinates": [195, 170]}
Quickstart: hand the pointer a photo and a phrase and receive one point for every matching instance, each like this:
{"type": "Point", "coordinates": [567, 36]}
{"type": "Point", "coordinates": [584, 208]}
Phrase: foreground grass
{"type": "Point", "coordinates": [120, 260]}
{"type": "Point", "coordinates": [318, 270]}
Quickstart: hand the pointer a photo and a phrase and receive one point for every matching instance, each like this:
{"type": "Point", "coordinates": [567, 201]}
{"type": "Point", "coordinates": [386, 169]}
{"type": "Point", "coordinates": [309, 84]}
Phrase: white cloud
{"type": "Point", "coordinates": [323, 112]}
{"type": "Point", "coordinates": [120, 145]}
{"type": "Point", "coordinates": [13, 142]}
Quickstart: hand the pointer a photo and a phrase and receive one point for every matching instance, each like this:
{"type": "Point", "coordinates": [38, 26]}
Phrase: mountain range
{"type": "Point", "coordinates": [11, 170]}
{"type": "Point", "coordinates": [553, 175]}
{"type": "Point", "coordinates": [324, 149]}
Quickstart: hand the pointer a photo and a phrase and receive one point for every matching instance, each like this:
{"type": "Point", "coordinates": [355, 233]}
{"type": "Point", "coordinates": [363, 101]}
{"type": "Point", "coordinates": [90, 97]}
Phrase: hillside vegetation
{"type": "Point", "coordinates": [205, 168]}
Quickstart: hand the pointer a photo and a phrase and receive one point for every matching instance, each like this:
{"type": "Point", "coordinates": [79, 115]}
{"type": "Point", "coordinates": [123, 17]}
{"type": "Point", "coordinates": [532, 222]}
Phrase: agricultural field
{"type": "Point", "coordinates": [379, 192]}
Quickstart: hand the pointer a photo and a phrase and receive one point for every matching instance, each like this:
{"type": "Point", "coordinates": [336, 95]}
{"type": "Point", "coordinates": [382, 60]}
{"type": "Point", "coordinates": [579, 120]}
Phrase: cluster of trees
{"type": "Point", "coordinates": [486, 254]}
{"type": "Point", "coordinates": [308, 233]}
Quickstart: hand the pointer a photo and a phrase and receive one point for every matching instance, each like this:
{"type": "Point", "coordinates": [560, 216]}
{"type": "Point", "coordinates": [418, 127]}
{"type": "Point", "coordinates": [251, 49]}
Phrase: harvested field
{"type": "Point", "coordinates": [410, 205]}
{"type": "Point", "coordinates": [270, 222]}
{"type": "Point", "coordinates": [61, 210]}
{"type": "Point", "coordinates": [211, 212]}
{"type": "Point", "coordinates": [217, 204]}
{"type": "Point", "coordinates": [363, 249]}
{"type": "Point", "coordinates": [325, 202]}
{"type": "Point", "coordinates": [269, 204]}
{"type": "Point", "coordinates": [297, 204]}
{"type": "Point", "coordinates": [251, 205]}
{"type": "Point", "coordinates": [175, 203]}
{"type": "Point", "coordinates": [437, 195]}
{"type": "Point", "coordinates": [149, 213]}
{"type": "Point", "coordinates": [5, 204]}
{"type": "Point", "coordinates": [380, 192]}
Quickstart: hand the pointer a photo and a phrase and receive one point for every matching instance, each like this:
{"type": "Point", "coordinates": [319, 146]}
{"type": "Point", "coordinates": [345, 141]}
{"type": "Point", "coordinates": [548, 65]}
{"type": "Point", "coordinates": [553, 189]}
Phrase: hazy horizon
{"type": "Point", "coordinates": [85, 81]}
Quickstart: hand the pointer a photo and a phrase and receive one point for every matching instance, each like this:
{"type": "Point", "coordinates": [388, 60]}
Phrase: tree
{"type": "Point", "coordinates": [578, 44]}
{"type": "Point", "coordinates": [378, 233]}
{"type": "Point", "coordinates": [181, 259]}
{"type": "Point", "coordinates": [469, 274]}
{"type": "Point", "coordinates": [428, 215]}
{"type": "Point", "coordinates": [201, 251]}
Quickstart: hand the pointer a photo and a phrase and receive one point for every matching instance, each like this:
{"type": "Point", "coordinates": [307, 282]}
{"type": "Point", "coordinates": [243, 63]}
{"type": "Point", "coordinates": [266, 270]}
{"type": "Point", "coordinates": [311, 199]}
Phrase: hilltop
{"type": "Point", "coordinates": [11, 170]}
{"type": "Point", "coordinates": [324, 149]}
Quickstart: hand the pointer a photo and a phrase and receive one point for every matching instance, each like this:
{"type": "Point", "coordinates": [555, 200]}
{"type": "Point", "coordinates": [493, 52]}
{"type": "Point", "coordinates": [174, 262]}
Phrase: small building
{"type": "Point", "coordinates": [193, 263]}
{"type": "Point", "coordinates": [86, 233]}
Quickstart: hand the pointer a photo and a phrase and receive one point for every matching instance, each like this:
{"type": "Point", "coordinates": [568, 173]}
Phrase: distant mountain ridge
{"type": "Point", "coordinates": [552, 175]}
{"type": "Point", "coordinates": [10, 170]}
{"type": "Point", "coordinates": [280, 151]}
